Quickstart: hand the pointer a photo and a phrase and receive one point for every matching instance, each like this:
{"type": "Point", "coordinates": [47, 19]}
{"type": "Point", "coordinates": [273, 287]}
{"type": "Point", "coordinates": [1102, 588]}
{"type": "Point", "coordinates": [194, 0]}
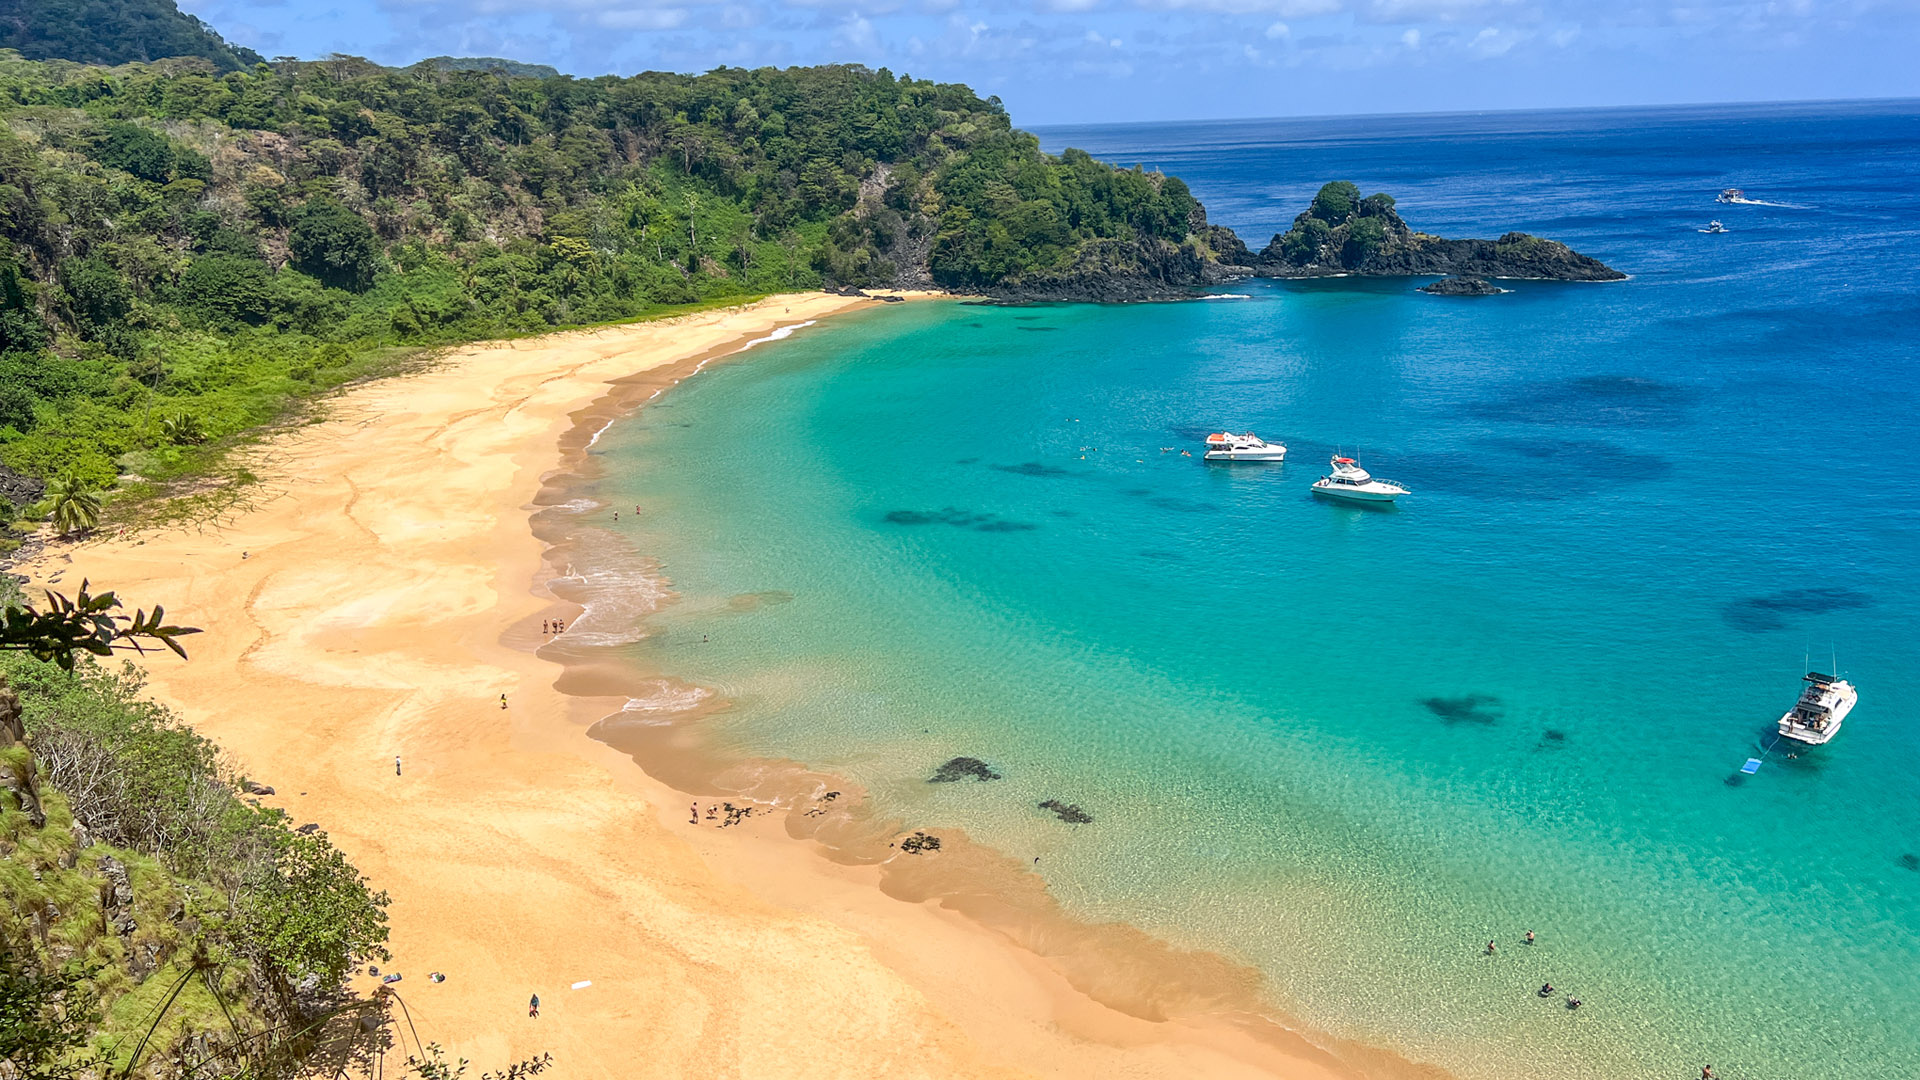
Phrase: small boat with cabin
{"type": "Point", "coordinates": [1816, 717]}
{"type": "Point", "coordinates": [1225, 446]}
{"type": "Point", "coordinates": [1348, 480]}
{"type": "Point", "coordinates": [1732, 195]}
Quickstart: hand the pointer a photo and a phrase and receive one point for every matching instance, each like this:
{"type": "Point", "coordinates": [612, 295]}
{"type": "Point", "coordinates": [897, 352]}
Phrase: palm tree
{"type": "Point", "coordinates": [75, 507]}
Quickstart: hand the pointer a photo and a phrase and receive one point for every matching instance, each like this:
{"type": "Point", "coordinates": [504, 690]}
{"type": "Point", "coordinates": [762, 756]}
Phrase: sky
{"type": "Point", "coordinates": [1094, 61]}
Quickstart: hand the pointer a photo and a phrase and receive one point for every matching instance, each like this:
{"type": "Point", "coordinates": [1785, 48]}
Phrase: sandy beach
{"type": "Point", "coordinates": [377, 599]}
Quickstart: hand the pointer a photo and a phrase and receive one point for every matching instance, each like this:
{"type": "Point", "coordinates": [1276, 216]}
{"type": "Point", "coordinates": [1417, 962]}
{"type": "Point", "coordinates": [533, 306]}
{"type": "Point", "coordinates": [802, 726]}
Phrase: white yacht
{"type": "Point", "coordinates": [1732, 195]}
{"type": "Point", "coordinates": [1349, 481]}
{"type": "Point", "coordinates": [1225, 446]}
{"type": "Point", "coordinates": [1816, 717]}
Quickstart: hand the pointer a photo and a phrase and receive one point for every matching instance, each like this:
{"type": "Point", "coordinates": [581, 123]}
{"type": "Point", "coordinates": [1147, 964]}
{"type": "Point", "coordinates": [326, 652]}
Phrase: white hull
{"type": "Point", "coordinates": [1363, 493]}
{"type": "Point", "coordinates": [1837, 714]}
{"type": "Point", "coordinates": [1272, 453]}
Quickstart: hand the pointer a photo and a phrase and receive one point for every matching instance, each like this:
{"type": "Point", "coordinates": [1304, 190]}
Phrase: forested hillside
{"type": "Point", "coordinates": [113, 32]}
{"type": "Point", "coordinates": [185, 251]}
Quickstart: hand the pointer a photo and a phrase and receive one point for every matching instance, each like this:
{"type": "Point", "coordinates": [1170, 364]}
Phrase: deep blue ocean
{"type": "Point", "coordinates": [1350, 746]}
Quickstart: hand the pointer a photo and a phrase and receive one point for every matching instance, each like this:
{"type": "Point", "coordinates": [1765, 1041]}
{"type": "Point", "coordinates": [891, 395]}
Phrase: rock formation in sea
{"type": "Point", "coordinates": [1465, 285]}
{"type": "Point", "coordinates": [962, 768]}
{"type": "Point", "coordinates": [1067, 812]}
{"type": "Point", "coordinates": [1342, 233]}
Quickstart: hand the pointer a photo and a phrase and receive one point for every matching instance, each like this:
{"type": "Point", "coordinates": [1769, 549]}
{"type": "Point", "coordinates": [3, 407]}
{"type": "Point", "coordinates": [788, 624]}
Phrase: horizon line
{"type": "Point", "coordinates": [1474, 112]}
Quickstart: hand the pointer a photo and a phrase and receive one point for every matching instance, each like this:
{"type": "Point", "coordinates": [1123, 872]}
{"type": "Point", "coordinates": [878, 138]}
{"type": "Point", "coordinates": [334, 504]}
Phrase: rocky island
{"type": "Point", "coordinates": [1462, 286]}
{"type": "Point", "coordinates": [1342, 233]}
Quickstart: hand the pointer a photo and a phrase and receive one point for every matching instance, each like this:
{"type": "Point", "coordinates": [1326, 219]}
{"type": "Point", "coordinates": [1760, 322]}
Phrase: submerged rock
{"type": "Point", "coordinates": [1464, 285]}
{"type": "Point", "coordinates": [1067, 812]}
{"type": "Point", "coordinates": [961, 768]}
{"type": "Point", "coordinates": [919, 842]}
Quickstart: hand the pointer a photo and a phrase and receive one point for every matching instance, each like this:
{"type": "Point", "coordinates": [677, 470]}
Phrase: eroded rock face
{"type": "Point", "coordinates": [963, 768]}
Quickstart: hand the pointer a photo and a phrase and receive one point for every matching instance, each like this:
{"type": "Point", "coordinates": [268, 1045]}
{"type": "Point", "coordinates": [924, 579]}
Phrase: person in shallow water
{"type": "Point", "coordinates": [1546, 989]}
{"type": "Point", "coordinates": [1529, 937]}
{"type": "Point", "coordinates": [1490, 948]}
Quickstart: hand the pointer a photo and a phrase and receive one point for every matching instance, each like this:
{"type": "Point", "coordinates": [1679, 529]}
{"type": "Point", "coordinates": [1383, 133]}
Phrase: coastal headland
{"type": "Point", "coordinates": [374, 603]}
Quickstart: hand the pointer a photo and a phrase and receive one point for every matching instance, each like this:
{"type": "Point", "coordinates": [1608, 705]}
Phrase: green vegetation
{"type": "Point", "coordinates": [184, 254]}
{"type": "Point", "coordinates": [1335, 202]}
{"type": "Point", "coordinates": [154, 915]}
{"type": "Point", "coordinates": [1354, 228]}
{"type": "Point", "coordinates": [113, 32]}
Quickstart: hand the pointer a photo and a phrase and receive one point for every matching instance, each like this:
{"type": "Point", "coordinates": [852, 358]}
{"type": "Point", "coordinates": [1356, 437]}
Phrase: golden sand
{"type": "Point", "coordinates": [388, 596]}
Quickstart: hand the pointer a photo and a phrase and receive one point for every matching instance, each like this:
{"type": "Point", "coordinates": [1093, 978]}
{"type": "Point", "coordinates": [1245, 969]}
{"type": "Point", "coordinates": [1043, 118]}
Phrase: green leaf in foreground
{"type": "Point", "coordinates": [85, 624]}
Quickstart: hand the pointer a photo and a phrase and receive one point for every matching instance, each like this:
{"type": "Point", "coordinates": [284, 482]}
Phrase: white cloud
{"type": "Point", "coordinates": [1494, 41]}
{"type": "Point", "coordinates": [1291, 9]}
{"type": "Point", "coordinates": [1411, 39]}
{"type": "Point", "coordinates": [857, 35]}
{"type": "Point", "coordinates": [1278, 31]}
{"type": "Point", "coordinates": [642, 18]}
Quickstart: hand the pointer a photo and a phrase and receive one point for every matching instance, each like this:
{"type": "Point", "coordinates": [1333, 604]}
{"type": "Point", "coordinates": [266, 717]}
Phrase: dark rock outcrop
{"type": "Point", "coordinates": [1342, 233]}
{"type": "Point", "coordinates": [1067, 812]}
{"type": "Point", "coordinates": [19, 488]}
{"type": "Point", "coordinates": [962, 768]}
{"type": "Point", "coordinates": [919, 842]}
{"type": "Point", "coordinates": [1462, 286]}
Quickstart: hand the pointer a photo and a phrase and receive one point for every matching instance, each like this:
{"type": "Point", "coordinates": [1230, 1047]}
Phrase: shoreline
{"type": "Point", "coordinates": [524, 858]}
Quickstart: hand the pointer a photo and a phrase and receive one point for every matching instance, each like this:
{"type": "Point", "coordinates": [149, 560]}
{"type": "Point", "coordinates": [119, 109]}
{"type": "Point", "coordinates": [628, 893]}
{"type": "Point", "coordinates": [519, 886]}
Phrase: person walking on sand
{"type": "Point", "coordinates": [503, 701]}
{"type": "Point", "coordinates": [695, 819]}
{"type": "Point", "coordinates": [396, 764]}
{"type": "Point", "coordinates": [533, 1007]}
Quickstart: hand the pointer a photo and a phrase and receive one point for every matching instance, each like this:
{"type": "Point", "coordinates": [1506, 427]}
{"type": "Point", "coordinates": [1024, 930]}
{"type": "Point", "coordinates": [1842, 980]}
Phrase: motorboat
{"type": "Point", "coordinates": [1225, 446]}
{"type": "Point", "coordinates": [1732, 195]}
{"type": "Point", "coordinates": [1714, 226]}
{"type": "Point", "coordinates": [1816, 717]}
{"type": "Point", "coordinates": [1347, 480]}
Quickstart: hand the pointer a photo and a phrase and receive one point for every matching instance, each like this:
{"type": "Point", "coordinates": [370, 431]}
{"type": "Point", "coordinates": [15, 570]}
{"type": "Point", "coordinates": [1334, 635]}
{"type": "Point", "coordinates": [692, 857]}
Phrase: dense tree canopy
{"type": "Point", "coordinates": [113, 32]}
{"type": "Point", "coordinates": [183, 250]}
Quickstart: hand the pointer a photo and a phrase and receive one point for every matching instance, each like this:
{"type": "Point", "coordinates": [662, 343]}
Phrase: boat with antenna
{"type": "Point", "coordinates": [1824, 704]}
{"type": "Point", "coordinates": [1347, 480]}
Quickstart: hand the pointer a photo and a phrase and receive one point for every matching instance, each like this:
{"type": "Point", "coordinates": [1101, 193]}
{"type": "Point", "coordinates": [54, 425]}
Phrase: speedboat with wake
{"type": "Point", "coordinates": [1225, 446]}
{"type": "Point", "coordinates": [1815, 719]}
{"type": "Point", "coordinates": [1732, 195]}
{"type": "Point", "coordinates": [1714, 226]}
{"type": "Point", "coordinates": [1348, 480]}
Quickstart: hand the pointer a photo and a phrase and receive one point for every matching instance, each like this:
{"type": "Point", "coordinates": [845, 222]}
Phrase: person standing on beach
{"type": "Point", "coordinates": [533, 1007]}
{"type": "Point", "coordinates": [503, 701]}
{"type": "Point", "coordinates": [695, 819]}
{"type": "Point", "coordinates": [396, 764]}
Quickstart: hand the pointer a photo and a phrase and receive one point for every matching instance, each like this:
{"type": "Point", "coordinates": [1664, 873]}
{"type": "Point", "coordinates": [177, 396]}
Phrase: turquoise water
{"type": "Point", "coordinates": [1346, 745]}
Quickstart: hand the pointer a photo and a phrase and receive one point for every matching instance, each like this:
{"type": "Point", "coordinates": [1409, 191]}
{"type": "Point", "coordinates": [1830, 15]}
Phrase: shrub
{"type": "Point", "coordinates": [334, 244]}
{"type": "Point", "coordinates": [1335, 202]}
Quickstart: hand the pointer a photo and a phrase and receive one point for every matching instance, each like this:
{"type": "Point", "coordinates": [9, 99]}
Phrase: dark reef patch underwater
{"type": "Point", "coordinates": [1758, 614]}
{"type": "Point", "coordinates": [1466, 709]}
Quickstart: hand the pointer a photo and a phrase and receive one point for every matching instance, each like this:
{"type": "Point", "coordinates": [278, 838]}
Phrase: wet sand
{"type": "Point", "coordinates": [393, 590]}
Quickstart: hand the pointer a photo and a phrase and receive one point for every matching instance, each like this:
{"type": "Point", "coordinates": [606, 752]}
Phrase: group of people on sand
{"type": "Point", "coordinates": [734, 814]}
{"type": "Point", "coordinates": [551, 627]}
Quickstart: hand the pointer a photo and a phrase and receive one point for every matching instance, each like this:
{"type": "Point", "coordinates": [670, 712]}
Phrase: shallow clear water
{"type": "Point", "coordinates": [1346, 745]}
